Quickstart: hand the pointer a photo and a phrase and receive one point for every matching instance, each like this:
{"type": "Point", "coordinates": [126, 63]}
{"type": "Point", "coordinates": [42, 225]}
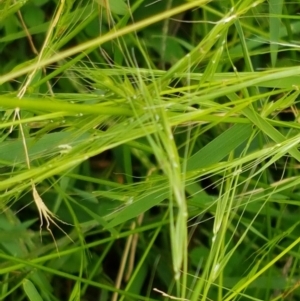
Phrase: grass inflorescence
{"type": "Point", "coordinates": [149, 150]}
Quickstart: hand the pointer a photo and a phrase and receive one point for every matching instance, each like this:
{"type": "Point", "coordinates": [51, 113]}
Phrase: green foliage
{"type": "Point", "coordinates": [149, 150]}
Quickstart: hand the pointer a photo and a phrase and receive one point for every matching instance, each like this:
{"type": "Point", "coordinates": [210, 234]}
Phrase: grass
{"type": "Point", "coordinates": [149, 150]}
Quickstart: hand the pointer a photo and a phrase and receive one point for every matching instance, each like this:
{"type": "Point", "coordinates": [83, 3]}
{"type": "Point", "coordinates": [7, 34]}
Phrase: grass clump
{"type": "Point", "coordinates": [149, 150]}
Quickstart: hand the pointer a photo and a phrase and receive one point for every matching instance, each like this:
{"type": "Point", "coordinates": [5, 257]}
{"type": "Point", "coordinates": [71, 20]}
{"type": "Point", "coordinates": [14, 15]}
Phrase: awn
{"type": "Point", "coordinates": [44, 212]}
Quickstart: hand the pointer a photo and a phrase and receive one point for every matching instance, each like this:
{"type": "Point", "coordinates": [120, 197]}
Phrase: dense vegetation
{"type": "Point", "coordinates": [149, 150]}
